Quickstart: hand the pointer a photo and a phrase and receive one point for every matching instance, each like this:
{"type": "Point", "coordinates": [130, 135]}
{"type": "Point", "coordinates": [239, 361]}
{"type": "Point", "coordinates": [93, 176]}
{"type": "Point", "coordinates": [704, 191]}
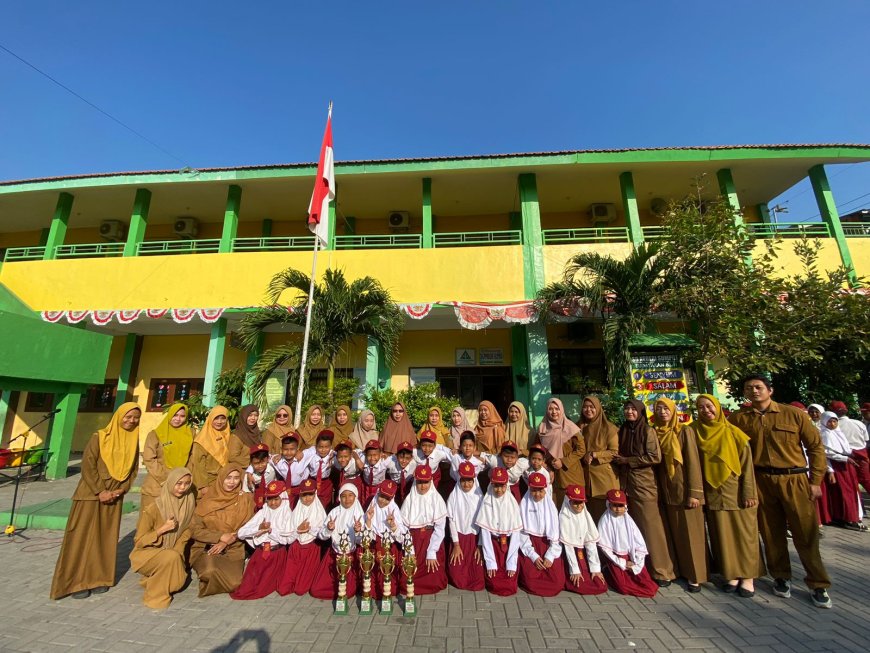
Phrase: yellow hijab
{"type": "Point", "coordinates": [176, 441]}
{"type": "Point", "coordinates": [721, 443]}
{"type": "Point", "coordinates": [214, 441]}
{"type": "Point", "coordinates": [442, 433]}
{"type": "Point", "coordinates": [119, 448]}
{"type": "Point", "coordinates": [672, 453]}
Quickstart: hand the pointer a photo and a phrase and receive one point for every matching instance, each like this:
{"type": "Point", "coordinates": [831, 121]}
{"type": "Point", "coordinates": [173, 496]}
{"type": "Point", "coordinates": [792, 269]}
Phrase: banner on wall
{"type": "Point", "coordinates": [276, 389]}
{"type": "Point", "coordinates": [656, 375]}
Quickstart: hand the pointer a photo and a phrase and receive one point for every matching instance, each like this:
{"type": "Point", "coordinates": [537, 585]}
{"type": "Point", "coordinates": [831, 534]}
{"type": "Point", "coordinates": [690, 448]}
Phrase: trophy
{"type": "Point", "coordinates": [342, 566]}
{"type": "Point", "coordinates": [409, 568]}
{"type": "Point", "coordinates": [366, 563]}
{"type": "Point", "coordinates": [387, 563]}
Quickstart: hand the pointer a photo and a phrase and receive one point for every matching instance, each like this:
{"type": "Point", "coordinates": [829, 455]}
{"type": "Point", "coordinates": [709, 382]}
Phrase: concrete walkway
{"type": "Point", "coordinates": [450, 621]}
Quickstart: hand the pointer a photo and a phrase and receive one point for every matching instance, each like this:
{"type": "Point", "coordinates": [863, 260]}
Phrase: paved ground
{"type": "Point", "coordinates": [450, 621]}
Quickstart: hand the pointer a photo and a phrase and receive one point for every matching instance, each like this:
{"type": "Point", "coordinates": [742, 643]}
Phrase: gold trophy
{"type": "Point", "coordinates": [409, 568]}
{"type": "Point", "coordinates": [387, 563]}
{"type": "Point", "coordinates": [342, 565]}
{"type": "Point", "coordinates": [366, 563]}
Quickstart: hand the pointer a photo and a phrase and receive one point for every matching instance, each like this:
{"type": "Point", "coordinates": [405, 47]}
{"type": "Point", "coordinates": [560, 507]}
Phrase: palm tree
{"type": "Point", "coordinates": [622, 291]}
{"type": "Point", "coordinates": [341, 311]}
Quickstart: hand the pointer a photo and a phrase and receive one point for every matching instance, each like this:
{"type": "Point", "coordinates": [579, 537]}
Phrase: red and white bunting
{"type": "Point", "coordinates": [126, 317]}
{"type": "Point", "coordinates": [416, 311]}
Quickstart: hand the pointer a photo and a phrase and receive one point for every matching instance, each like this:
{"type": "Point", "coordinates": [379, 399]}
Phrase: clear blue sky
{"type": "Point", "coordinates": [227, 83]}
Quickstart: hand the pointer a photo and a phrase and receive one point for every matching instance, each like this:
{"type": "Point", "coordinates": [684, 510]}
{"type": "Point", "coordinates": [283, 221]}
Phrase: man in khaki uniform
{"type": "Point", "coordinates": [778, 434]}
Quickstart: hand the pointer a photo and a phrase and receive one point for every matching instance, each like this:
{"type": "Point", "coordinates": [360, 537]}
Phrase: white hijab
{"type": "Point", "coordinates": [540, 517]}
{"type": "Point", "coordinates": [819, 408]}
{"type": "Point", "coordinates": [576, 530]}
{"type": "Point", "coordinates": [835, 440]}
{"type": "Point", "coordinates": [379, 518]}
{"type": "Point", "coordinates": [345, 517]}
{"type": "Point", "coordinates": [279, 519]}
{"type": "Point", "coordinates": [316, 516]}
{"type": "Point", "coordinates": [499, 515]}
{"type": "Point", "coordinates": [462, 508]}
{"type": "Point", "coordinates": [419, 510]}
{"type": "Point", "coordinates": [620, 536]}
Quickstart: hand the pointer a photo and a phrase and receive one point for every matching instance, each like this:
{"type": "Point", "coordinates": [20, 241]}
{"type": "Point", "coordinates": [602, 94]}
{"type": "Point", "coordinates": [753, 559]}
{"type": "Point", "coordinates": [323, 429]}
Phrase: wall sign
{"type": "Point", "coordinates": [466, 357]}
{"type": "Point", "coordinates": [492, 356]}
{"type": "Point", "coordinates": [660, 375]}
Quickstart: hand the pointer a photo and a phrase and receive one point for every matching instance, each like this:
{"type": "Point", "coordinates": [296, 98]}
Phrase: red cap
{"type": "Point", "coordinates": [797, 405]}
{"type": "Point", "coordinates": [388, 489]}
{"type": "Point", "coordinates": [275, 488]}
{"type": "Point", "coordinates": [307, 486]}
{"type": "Point", "coordinates": [838, 407]}
{"type": "Point", "coordinates": [509, 444]}
{"type": "Point", "coordinates": [498, 476]}
{"type": "Point", "coordinates": [326, 434]}
{"type": "Point", "coordinates": [616, 497]}
{"type": "Point", "coordinates": [257, 448]}
{"type": "Point", "coordinates": [428, 436]}
{"type": "Point", "coordinates": [372, 444]}
{"type": "Point", "coordinates": [291, 436]}
{"type": "Point", "coordinates": [344, 444]}
{"type": "Point", "coordinates": [865, 406]}
{"type": "Point", "coordinates": [540, 449]}
{"type": "Point", "coordinates": [576, 493]}
{"type": "Point", "coordinates": [537, 481]}
{"type": "Point", "coordinates": [405, 446]}
{"type": "Point", "coordinates": [466, 470]}
{"type": "Point", "coordinates": [423, 473]}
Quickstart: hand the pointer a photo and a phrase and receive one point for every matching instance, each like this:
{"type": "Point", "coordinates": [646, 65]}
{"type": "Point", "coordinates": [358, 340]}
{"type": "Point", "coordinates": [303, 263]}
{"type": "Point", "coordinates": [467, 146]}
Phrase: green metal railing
{"type": "Point", "coordinates": [157, 247]}
{"type": "Point", "coordinates": [89, 250]}
{"type": "Point", "coordinates": [654, 232]}
{"type": "Point", "coordinates": [586, 235]}
{"type": "Point", "coordinates": [381, 241]}
{"type": "Point", "coordinates": [24, 254]}
{"type": "Point", "coordinates": [856, 229]}
{"type": "Point", "coordinates": [273, 244]}
{"type": "Point", "coordinates": [471, 238]}
{"type": "Point", "coordinates": [788, 229]}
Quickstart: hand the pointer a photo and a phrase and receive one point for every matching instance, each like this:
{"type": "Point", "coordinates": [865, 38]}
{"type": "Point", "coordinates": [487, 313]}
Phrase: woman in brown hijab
{"type": "Point", "coordinates": [490, 428]}
{"type": "Point", "coordinates": [639, 454]}
{"type": "Point", "coordinates": [342, 424]}
{"type": "Point", "coordinates": [602, 445]}
{"type": "Point", "coordinates": [311, 426]}
{"type": "Point", "coordinates": [365, 429]}
{"type": "Point", "coordinates": [397, 430]}
{"type": "Point", "coordinates": [561, 437]}
{"type": "Point", "coordinates": [162, 536]}
{"type": "Point", "coordinates": [517, 429]}
{"type": "Point", "coordinates": [217, 555]}
{"type": "Point", "coordinates": [281, 427]}
{"type": "Point", "coordinates": [86, 564]}
{"type": "Point", "coordinates": [435, 424]}
{"type": "Point", "coordinates": [210, 449]}
{"type": "Point", "coordinates": [245, 435]}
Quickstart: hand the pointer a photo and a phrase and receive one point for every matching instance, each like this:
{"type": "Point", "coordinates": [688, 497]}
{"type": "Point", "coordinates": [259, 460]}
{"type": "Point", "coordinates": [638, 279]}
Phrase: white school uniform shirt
{"type": "Point", "coordinates": [620, 536]}
{"type": "Point", "coordinates": [855, 432]}
{"type": "Point", "coordinates": [540, 519]}
{"type": "Point", "coordinates": [268, 474]}
{"type": "Point", "coordinates": [279, 522]}
{"type": "Point", "coordinates": [499, 516]}
{"type": "Point", "coordinates": [462, 510]}
{"type": "Point", "coordinates": [373, 475]}
{"type": "Point", "coordinates": [314, 514]}
{"type": "Point", "coordinates": [575, 532]}
{"type": "Point", "coordinates": [439, 454]}
{"type": "Point", "coordinates": [515, 473]}
{"type": "Point", "coordinates": [394, 469]}
{"type": "Point", "coordinates": [314, 463]}
{"type": "Point", "coordinates": [457, 459]}
{"type": "Point", "coordinates": [546, 474]}
{"type": "Point", "coordinates": [426, 510]}
{"type": "Point", "coordinates": [295, 471]}
{"type": "Point", "coordinates": [344, 519]}
{"type": "Point", "coordinates": [379, 520]}
{"type": "Point", "coordinates": [350, 470]}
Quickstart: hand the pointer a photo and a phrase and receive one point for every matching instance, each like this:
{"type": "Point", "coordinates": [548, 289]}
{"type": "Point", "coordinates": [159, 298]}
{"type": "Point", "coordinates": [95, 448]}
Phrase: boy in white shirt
{"type": "Point", "coordinates": [259, 474]}
{"type": "Point", "coordinates": [509, 459]}
{"type": "Point", "coordinates": [400, 468]}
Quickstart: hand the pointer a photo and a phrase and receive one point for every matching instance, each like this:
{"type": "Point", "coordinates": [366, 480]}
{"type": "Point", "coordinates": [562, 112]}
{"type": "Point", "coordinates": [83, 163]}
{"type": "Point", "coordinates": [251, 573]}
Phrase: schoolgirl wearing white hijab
{"type": "Point", "coordinates": [345, 519]}
{"type": "Point", "coordinates": [500, 526]}
{"type": "Point", "coordinates": [465, 568]}
{"type": "Point", "coordinates": [541, 570]}
{"type": "Point", "coordinates": [579, 538]}
{"type": "Point", "coordinates": [624, 549]}
{"type": "Point", "coordinates": [303, 552]}
{"type": "Point", "coordinates": [383, 516]}
{"type": "Point", "coordinates": [842, 477]}
{"type": "Point", "coordinates": [425, 514]}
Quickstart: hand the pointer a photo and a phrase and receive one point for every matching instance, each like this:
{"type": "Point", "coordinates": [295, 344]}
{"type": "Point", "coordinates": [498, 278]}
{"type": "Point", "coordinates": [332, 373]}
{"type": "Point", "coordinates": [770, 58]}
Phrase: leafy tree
{"type": "Point", "coordinates": [229, 387]}
{"type": "Point", "coordinates": [417, 400]}
{"type": "Point", "coordinates": [342, 395]}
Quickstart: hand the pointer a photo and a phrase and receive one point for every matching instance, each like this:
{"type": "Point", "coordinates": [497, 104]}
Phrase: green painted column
{"type": "Point", "coordinates": [61, 433]}
{"type": "Point", "coordinates": [231, 218]}
{"type": "Point", "coordinates": [129, 369]}
{"type": "Point", "coordinates": [43, 236]}
{"type": "Point", "coordinates": [331, 235]}
{"type": "Point", "coordinates": [428, 239]}
{"type": "Point", "coordinates": [377, 372]}
{"type": "Point", "coordinates": [629, 207]}
{"type": "Point", "coordinates": [539, 370]}
{"type": "Point", "coordinates": [533, 254]}
{"type": "Point", "coordinates": [763, 213]}
{"type": "Point", "coordinates": [5, 399]}
{"type": "Point", "coordinates": [267, 227]}
{"type": "Point", "coordinates": [138, 221]}
{"type": "Point", "coordinates": [831, 217]}
{"type": "Point", "coordinates": [215, 361]}
{"type": "Point", "coordinates": [252, 358]}
{"type": "Point", "coordinates": [729, 192]}
{"type": "Point", "coordinates": [57, 231]}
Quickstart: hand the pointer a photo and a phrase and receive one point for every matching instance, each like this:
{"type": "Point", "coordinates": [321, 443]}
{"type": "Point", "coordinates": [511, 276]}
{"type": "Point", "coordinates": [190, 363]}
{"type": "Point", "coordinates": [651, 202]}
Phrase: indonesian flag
{"type": "Point", "coordinates": [324, 187]}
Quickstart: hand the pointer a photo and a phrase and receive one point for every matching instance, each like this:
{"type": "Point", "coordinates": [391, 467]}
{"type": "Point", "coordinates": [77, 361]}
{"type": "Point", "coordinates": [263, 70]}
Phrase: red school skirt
{"type": "Point", "coordinates": [425, 582]}
{"type": "Point", "coordinates": [843, 495]}
{"type": "Point", "coordinates": [468, 574]}
{"type": "Point", "coordinates": [541, 582]}
{"type": "Point", "coordinates": [500, 584]}
{"type": "Point", "coordinates": [378, 576]}
{"type": "Point", "coordinates": [300, 569]}
{"type": "Point", "coordinates": [262, 573]}
{"type": "Point", "coordinates": [325, 584]}
{"type": "Point", "coordinates": [586, 586]}
{"type": "Point", "coordinates": [627, 582]}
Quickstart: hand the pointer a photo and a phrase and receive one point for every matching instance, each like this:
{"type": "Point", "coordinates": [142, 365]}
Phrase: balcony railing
{"type": "Point", "coordinates": [788, 229]}
{"type": "Point", "coordinates": [273, 244]}
{"type": "Point", "coordinates": [655, 232]}
{"type": "Point", "coordinates": [472, 238]}
{"type": "Point", "coordinates": [24, 254]}
{"type": "Point", "coordinates": [856, 229]}
{"type": "Point", "coordinates": [89, 250]}
{"type": "Point", "coordinates": [381, 241]}
{"type": "Point", "coordinates": [586, 235]}
{"type": "Point", "coordinates": [158, 247]}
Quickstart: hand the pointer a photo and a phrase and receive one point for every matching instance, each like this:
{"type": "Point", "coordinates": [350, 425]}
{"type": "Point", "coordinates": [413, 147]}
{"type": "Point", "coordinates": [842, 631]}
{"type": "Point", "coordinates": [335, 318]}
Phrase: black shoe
{"type": "Point", "coordinates": [81, 595]}
{"type": "Point", "coordinates": [662, 583]}
{"type": "Point", "coordinates": [854, 526]}
{"type": "Point", "coordinates": [744, 593]}
{"type": "Point", "coordinates": [694, 589]}
{"type": "Point", "coordinates": [821, 599]}
{"type": "Point", "coordinates": [782, 588]}
{"type": "Point", "coordinates": [100, 590]}
{"type": "Point", "coordinates": [728, 588]}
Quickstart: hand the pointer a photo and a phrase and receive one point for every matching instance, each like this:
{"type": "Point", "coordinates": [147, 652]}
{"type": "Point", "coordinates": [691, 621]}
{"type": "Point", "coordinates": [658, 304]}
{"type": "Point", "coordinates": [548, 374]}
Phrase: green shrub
{"type": "Point", "coordinates": [417, 400]}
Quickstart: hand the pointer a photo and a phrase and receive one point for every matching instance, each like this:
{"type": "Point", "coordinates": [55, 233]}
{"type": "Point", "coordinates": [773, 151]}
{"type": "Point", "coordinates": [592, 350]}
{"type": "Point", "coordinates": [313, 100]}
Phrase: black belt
{"type": "Point", "coordinates": [780, 471]}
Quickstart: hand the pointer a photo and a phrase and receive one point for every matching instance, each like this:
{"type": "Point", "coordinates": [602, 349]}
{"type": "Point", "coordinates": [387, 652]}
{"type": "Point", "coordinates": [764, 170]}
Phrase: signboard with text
{"type": "Point", "coordinates": [661, 375]}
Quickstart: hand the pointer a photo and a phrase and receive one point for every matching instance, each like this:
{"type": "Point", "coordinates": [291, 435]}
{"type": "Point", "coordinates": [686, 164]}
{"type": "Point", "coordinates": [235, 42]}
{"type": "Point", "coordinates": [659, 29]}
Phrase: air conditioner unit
{"type": "Point", "coordinates": [399, 221]}
{"type": "Point", "coordinates": [186, 227]}
{"type": "Point", "coordinates": [113, 230]}
{"type": "Point", "coordinates": [658, 206]}
{"type": "Point", "coordinates": [602, 213]}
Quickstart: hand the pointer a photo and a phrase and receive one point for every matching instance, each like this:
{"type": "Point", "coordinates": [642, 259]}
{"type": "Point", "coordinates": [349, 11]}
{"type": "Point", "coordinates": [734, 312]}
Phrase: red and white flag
{"type": "Point", "coordinates": [324, 187]}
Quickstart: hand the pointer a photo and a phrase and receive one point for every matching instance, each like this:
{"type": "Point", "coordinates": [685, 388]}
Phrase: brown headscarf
{"type": "Point", "coordinates": [596, 433]}
{"type": "Point", "coordinates": [490, 432]}
{"type": "Point", "coordinates": [519, 431]}
{"type": "Point", "coordinates": [360, 434]}
{"type": "Point", "coordinates": [228, 511]}
{"type": "Point", "coordinates": [668, 433]}
{"type": "Point", "coordinates": [274, 433]}
{"type": "Point", "coordinates": [342, 431]}
{"type": "Point", "coordinates": [308, 431]}
{"type": "Point", "coordinates": [395, 433]}
{"type": "Point", "coordinates": [170, 505]}
{"type": "Point", "coordinates": [554, 434]}
{"type": "Point", "coordinates": [442, 433]}
{"type": "Point", "coordinates": [457, 431]}
{"type": "Point", "coordinates": [632, 435]}
{"type": "Point", "coordinates": [215, 442]}
{"type": "Point", "coordinates": [249, 435]}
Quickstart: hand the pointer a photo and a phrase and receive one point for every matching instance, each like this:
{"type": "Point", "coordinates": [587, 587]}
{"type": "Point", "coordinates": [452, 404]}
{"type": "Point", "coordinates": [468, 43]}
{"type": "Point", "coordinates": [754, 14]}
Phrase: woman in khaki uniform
{"type": "Point", "coordinates": [562, 439]}
{"type": "Point", "coordinates": [245, 436]}
{"type": "Point", "coordinates": [166, 447]}
{"type": "Point", "coordinates": [732, 500]}
{"type": "Point", "coordinates": [280, 428]}
{"type": "Point", "coordinates": [682, 493]}
{"type": "Point", "coordinates": [210, 449]}
{"type": "Point", "coordinates": [639, 453]}
{"type": "Point", "coordinates": [86, 564]}
{"type": "Point", "coordinates": [602, 444]}
{"type": "Point", "coordinates": [162, 535]}
{"type": "Point", "coordinates": [217, 554]}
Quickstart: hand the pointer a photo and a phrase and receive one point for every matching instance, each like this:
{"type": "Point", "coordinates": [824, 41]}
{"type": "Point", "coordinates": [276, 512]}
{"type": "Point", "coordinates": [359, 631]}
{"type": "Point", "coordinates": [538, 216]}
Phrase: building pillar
{"type": "Point", "coordinates": [138, 221]}
{"type": "Point", "coordinates": [729, 193]}
{"type": "Point", "coordinates": [428, 239]}
{"type": "Point", "coordinates": [231, 219]}
{"type": "Point", "coordinates": [250, 361]}
{"type": "Point", "coordinates": [57, 231]}
{"type": "Point", "coordinates": [629, 208]}
{"type": "Point", "coordinates": [763, 213]}
{"type": "Point", "coordinates": [61, 433]}
{"type": "Point", "coordinates": [129, 369]}
{"type": "Point", "coordinates": [215, 361]}
{"type": "Point", "coordinates": [831, 217]}
{"type": "Point", "coordinates": [533, 255]}
{"type": "Point", "coordinates": [539, 390]}
{"type": "Point", "coordinates": [377, 373]}
{"type": "Point", "coordinates": [5, 400]}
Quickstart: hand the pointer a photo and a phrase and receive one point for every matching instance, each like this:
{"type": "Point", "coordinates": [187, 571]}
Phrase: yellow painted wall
{"type": "Point", "coordinates": [788, 262]}
{"type": "Point", "coordinates": [556, 256]}
{"type": "Point", "coordinates": [461, 274]}
{"type": "Point", "coordinates": [859, 248]}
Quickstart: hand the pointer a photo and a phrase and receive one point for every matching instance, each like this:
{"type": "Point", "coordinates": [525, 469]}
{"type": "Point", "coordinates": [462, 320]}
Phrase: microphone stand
{"type": "Point", "coordinates": [10, 529]}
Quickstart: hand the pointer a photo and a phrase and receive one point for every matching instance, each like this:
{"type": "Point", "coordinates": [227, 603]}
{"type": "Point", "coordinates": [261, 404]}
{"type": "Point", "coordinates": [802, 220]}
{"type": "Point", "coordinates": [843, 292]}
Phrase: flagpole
{"type": "Point", "coordinates": [298, 414]}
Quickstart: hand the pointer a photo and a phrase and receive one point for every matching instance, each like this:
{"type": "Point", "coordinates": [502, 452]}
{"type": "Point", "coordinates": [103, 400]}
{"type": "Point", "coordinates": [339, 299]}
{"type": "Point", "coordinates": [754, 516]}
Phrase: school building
{"type": "Point", "coordinates": [131, 284]}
